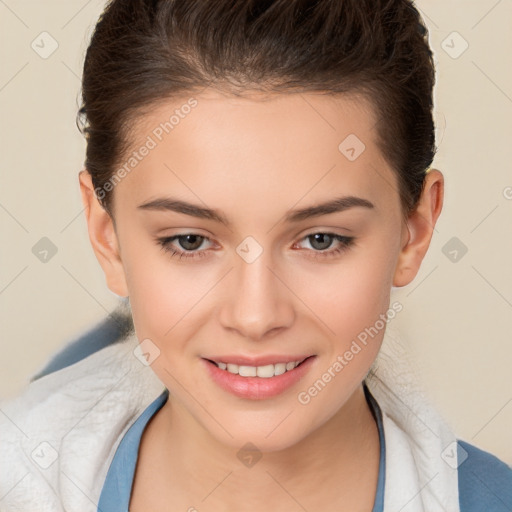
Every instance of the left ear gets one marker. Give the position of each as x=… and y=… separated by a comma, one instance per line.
x=420, y=226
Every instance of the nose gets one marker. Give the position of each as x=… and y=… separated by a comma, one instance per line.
x=258, y=301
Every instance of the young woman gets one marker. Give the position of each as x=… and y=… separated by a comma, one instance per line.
x=257, y=179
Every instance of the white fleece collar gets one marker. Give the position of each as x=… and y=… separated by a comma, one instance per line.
x=58, y=438
x=421, y=450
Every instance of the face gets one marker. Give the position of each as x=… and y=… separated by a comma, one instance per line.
x=259, y=272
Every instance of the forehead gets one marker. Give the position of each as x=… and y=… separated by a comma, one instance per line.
x=281, y=146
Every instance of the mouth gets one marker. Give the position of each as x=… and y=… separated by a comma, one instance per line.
x=258, y=382
x=264, y=371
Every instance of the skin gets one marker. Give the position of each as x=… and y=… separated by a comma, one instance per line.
x=256, y=158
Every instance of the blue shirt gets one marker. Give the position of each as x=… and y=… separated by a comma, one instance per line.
x=485, y=482
x=116, y=492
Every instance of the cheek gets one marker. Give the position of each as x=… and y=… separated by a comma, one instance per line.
x=351, y=303
x=162, y=292
x=350, y=296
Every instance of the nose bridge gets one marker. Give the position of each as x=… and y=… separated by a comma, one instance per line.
x=257, y=300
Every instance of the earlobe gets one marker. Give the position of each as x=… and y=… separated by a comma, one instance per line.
x=103, y=237
x=419, y=229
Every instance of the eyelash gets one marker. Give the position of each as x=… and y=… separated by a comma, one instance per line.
x=345, y=243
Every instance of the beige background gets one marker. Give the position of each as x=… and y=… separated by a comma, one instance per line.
x=457, y=315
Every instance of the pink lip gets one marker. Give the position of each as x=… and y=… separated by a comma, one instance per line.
x=258, y=388
x=257, y=361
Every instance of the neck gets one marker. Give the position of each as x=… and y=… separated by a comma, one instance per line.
x=340, y=459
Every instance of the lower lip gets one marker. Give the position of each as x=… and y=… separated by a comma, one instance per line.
x=258, y=388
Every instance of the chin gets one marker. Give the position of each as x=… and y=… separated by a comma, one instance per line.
x=262, y=436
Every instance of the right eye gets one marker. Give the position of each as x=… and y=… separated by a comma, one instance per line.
x=192, y=240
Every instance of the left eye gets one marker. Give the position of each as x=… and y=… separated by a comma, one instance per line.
x=326, y=239
x=190, y=242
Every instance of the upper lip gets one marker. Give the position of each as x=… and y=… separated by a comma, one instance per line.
x=258, y=361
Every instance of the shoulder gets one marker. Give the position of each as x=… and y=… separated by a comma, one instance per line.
x=485, y=481
x=59, y=434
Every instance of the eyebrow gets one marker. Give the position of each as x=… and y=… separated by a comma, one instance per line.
x=336, y=205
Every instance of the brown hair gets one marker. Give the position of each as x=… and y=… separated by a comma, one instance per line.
x=146, y=51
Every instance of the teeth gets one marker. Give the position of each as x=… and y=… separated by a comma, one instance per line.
x=267, y=371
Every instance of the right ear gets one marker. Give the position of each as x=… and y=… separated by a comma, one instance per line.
x=103, y=237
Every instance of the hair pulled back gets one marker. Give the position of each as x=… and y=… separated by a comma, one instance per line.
x=143, y=52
